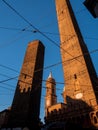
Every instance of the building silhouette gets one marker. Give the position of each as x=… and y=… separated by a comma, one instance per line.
x=92, y=6
x=80, y=94
x=25, y=108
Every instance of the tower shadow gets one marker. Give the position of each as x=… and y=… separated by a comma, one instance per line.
x=76, y=115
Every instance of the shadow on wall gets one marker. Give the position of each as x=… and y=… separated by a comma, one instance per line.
x=77, y=114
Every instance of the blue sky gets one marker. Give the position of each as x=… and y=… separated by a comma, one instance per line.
x=16, y=33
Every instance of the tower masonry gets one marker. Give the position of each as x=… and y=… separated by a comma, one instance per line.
x=50, y=98
x=25, y=107
x=79, y=73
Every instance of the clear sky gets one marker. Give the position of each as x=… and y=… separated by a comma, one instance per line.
x=16, y=31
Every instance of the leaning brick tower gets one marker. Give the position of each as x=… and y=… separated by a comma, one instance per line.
x=79, y=73
x=25, y=108
x=80, y=91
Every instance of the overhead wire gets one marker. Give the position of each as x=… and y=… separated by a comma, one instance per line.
x=32, y=25
x=93, y=51
x=23, y=18
x=8, y=79
x=12, y=41
x=9, y=85
x=29, y=30
x=15, y=29
x=24, y=29
x=57, y=88
x=37, y=30
x=41, y=87
x=43, y=81
x=6, y=88
x=16, y=76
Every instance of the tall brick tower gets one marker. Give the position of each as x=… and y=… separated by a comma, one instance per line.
x=79, y=73
x=25, y=108
x=50, y=98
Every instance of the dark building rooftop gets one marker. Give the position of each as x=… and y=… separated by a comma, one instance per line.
x=92, y=6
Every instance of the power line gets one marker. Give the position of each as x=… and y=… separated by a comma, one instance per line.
x=8, y=79
x=30, y=83
x=36, y=29
x=9, y=68
x=15, y=29
x=8, y=85
x=93, y=51
x=7, y=88
x=29, y=30
x=12, y=41
x=40, y=68
x=57, y=89
x=42, y=80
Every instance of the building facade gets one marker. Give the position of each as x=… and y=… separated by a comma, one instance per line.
x=80, y=91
